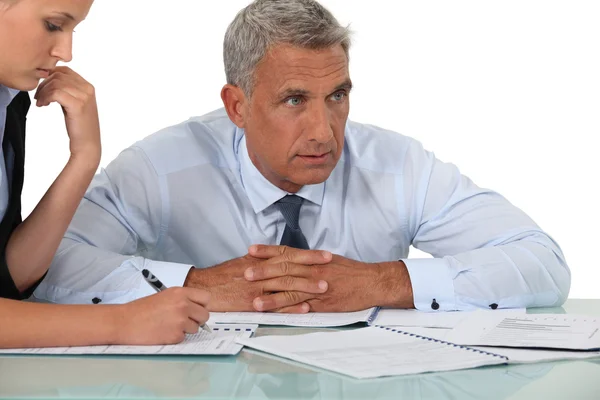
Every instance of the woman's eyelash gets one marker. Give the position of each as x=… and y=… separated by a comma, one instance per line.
x=51, y=27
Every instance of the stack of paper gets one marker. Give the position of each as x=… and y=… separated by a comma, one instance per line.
x=551, y=331
x=222, y=341
x=437, y=319
x=371, y=316
x=514, y=355
x=501, y=337
x=314, y=320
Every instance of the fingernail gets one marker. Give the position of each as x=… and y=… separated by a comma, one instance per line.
x=322, y=285
x=305, y=307
x=249, y=273
x=252, y=249
x=258, y=304
x=326, y=254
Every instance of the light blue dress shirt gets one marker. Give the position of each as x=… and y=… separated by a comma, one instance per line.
x=6, y=97
x=189, y=195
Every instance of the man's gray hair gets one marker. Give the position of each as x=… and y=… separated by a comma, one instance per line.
x=264, y=23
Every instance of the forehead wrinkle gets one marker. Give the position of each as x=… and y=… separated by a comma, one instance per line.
x=283, y=69
x=288, y=81
x=311, y=72
x=304, y=64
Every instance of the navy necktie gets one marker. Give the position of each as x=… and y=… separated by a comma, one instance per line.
x=292, y=235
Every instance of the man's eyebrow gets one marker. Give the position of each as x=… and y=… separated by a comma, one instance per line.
x=293, y=92
x=347, y=85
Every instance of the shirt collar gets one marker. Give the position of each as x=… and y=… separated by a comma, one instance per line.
x=263, y=193
x=7, y=95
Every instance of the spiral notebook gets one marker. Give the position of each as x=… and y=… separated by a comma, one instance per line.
x=312, y=320
x=374, y=352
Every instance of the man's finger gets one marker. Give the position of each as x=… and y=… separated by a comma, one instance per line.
x=266, y=251
x=280, y=300
x=301, y=308
x=269, y=271
x=285, y=253
x=294, y=284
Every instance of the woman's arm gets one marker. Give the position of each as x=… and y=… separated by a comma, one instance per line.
x=32, y=245
x=163, y=318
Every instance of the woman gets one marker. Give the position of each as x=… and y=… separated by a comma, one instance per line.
x=34, y=36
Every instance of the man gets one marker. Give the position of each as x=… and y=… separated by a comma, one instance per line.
x=281, y=166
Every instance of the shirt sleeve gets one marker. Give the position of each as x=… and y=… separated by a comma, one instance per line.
x=124, y=205
x=486, y=252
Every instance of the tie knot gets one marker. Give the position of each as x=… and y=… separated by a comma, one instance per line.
x=290, y=209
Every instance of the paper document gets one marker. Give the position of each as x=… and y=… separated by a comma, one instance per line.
x=437, y=319
x=221, y=341
x=515, y=356
x=305, y=320
x=372, y=352
x=556, y=331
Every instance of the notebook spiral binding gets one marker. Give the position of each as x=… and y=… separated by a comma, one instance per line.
x=441, y=341
x=373, y=316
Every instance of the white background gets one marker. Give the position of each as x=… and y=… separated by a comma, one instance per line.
x=509, y=91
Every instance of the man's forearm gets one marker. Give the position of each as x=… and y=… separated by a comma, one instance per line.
x=395, y=285
x=33, y=244
x=197, y=278
x=205, y=278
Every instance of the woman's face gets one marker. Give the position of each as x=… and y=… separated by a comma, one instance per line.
x=34, y=36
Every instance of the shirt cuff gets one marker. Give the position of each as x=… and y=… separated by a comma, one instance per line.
x=170, y=274
x=432, y=285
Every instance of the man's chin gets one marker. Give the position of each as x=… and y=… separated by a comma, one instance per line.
x=314, y=177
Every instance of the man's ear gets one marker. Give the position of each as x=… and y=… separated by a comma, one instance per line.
x=235, y=103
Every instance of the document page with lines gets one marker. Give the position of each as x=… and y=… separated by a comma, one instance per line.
x=515, y=355
x=222, y=341
x=443, y=319
x=553, y=331
x=373, y=352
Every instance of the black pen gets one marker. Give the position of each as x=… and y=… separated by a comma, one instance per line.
x=159, y=286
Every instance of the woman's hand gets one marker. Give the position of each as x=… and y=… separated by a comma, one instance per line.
x=78, y=100
x=163, y=318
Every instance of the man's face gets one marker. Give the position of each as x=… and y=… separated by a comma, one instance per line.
x=295, y=119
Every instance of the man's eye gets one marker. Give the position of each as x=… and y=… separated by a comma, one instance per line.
x=339, y=96
x=294, y=101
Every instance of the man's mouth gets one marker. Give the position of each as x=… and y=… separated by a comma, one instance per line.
x=320, y=158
